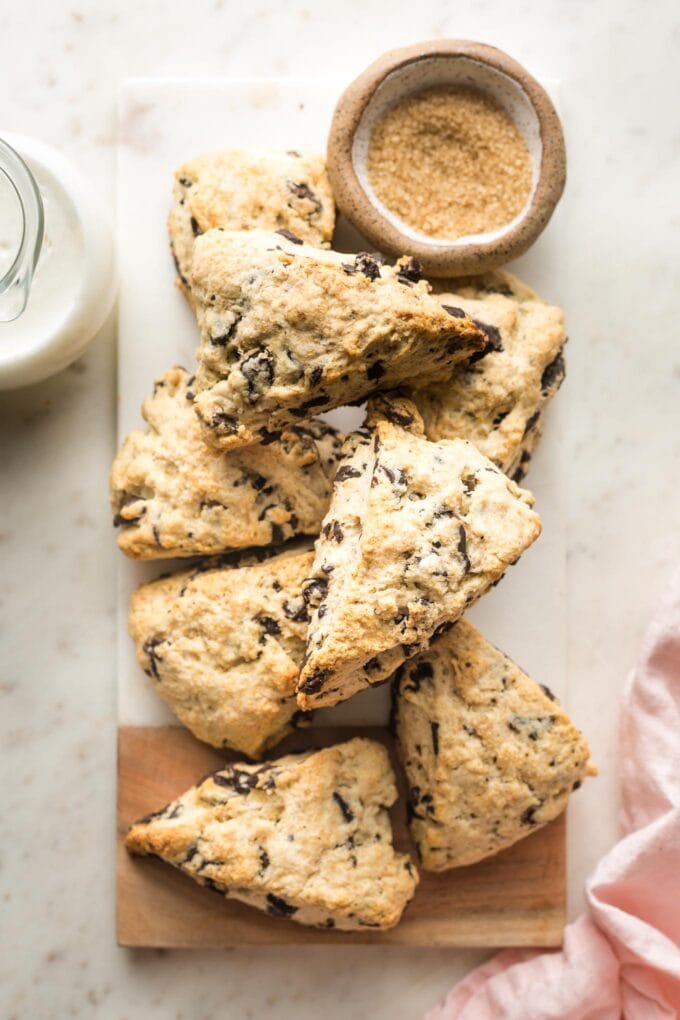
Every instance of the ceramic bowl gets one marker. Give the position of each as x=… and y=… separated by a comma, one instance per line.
x=441, y=63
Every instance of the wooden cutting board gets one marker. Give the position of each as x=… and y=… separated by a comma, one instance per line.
x=514, y=899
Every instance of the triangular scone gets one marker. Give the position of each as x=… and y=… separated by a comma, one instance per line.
x=489, y=754
x=174, y=495
x=415, y=533
x=497, y=400
x=307, y=837
x=244, y=189
x=288, y=330
x=223, y=647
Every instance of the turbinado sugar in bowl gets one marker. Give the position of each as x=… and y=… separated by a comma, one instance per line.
x=449, y=162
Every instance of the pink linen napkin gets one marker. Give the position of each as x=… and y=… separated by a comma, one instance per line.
x=622, y=959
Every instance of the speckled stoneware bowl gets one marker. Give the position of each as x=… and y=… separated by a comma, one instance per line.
x=426, y=65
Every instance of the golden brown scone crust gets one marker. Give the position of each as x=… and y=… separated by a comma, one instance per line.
x=490, y=755
x=307, y=837
x=415, y=533
x=288, y=331
x=174, y=495
x=497, y=401
x=245, y=189
x=223, y=647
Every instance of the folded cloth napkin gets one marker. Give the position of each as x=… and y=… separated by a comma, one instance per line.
x=622, y=959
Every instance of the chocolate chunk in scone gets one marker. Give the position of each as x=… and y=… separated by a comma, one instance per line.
x=489, y=754
x=223, y=645
x=246, y=189
x=396, y=407
x=497, y=398
x=288, y=331
x=174, y=495
x=307, y=837
x=415, y=533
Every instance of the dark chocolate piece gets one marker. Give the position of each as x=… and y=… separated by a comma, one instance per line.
x=347, y=812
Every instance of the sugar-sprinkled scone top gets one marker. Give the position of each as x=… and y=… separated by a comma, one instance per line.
x=497, y=398
x=415, y=533
x=490, y=755
x=174, y=495
x=288, y=331
x=245, y=189
x=307, y=837
x=223, y=646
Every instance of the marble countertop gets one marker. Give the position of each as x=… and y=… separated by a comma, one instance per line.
x=620, y=74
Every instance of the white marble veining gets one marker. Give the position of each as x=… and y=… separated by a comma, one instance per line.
x=62, y=63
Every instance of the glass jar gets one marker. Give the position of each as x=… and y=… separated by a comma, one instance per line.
x=57, y=266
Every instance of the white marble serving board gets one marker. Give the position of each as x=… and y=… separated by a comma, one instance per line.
x=163, y=122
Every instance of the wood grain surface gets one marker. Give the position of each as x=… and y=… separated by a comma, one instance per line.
x=514, y=899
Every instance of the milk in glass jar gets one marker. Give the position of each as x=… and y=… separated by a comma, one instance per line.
x=57, y=267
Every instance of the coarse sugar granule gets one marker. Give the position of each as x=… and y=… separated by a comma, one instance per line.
x=449, y=162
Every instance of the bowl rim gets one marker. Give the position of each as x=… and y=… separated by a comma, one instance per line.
x=441, y=259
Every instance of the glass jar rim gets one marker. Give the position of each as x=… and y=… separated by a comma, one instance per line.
x=15, y=284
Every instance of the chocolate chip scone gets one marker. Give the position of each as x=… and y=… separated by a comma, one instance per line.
x=174, y=495
x=288, y=331
x=415, y=533
x=497, y=398
x=244, y=189
x=307, y=837
x=223, y=646
x=489, y=754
